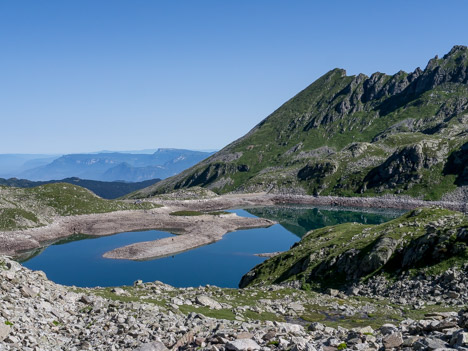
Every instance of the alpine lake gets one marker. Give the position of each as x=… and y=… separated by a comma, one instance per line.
x=78, y=259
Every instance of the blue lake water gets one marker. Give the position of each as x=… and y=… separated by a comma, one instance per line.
x=222, y=263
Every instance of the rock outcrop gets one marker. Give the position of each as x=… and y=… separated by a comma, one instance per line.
x=341, y=255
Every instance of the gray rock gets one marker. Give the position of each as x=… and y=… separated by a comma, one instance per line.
x=86, y=299
x=291, y=328
x=393, y=340
x=332, y=292
x=118, y=291
x=208, y=302
x=4, y=331
x=296, y=307
x=11, y=339
x=242, y=345
x=353, y=291
x=461, y=339
x=27, y=291
x=152, y=346
x=364, y=330
x=269, y=335
x=433, y=344
x=316, y=326
x=388, y=329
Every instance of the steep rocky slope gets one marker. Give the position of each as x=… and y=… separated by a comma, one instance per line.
x=353, y=136
x=423, y=240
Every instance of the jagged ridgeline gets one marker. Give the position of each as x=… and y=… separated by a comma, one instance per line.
x=353, y=135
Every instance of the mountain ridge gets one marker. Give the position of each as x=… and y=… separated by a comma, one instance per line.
x=328, y=138
x=117, y=166
x=106, y=190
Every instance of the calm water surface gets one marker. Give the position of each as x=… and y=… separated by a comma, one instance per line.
x=223, y=263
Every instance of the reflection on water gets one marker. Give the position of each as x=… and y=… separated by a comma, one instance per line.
x=300, y=219
x=78, y=260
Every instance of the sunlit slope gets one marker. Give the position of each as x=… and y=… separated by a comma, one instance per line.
x=31, y=207
x=353, y=136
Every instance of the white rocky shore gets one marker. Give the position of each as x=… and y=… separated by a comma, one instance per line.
x=37, y=314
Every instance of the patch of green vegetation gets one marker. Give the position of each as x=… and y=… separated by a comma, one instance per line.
x=198, y=213
x=263, y=316
x=342, y=346
x=206, y=311
x=218, y=213
x=186, y=213
x=8, y=323
x=16, y=218
x=131, y=295
x=67, y=199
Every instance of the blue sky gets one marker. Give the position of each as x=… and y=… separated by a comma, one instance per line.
x=88, y=75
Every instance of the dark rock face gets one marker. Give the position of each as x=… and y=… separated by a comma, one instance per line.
x=207, y=175
x=433, y=247
x=400, y=168
x=354, y=264
x=380, y=254
x=317, y=171
x=243, y=168
x=458, y=164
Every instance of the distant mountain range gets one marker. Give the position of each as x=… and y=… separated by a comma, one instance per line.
x=12, y=165
x=108, y=166
x=404, y=134
x=106, y=190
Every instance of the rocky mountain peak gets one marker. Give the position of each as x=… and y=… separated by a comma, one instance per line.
x=457, y=49
x=452, y=68
x=392, y=113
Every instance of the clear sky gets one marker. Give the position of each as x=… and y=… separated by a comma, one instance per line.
x=88, y=75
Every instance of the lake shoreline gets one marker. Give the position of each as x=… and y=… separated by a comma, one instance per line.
x=194, y=231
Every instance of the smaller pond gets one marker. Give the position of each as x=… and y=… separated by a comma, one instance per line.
x=222, y=263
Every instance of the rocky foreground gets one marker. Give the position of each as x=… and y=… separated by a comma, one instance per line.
x=37, y=314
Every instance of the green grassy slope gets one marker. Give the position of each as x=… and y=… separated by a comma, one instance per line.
x=30, y=207
x=106, y=190
x=430, y=239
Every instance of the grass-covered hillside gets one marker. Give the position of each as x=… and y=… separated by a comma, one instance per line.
x=106, y=190
x=428, y=239
x=353, y=136
x=30, y=207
